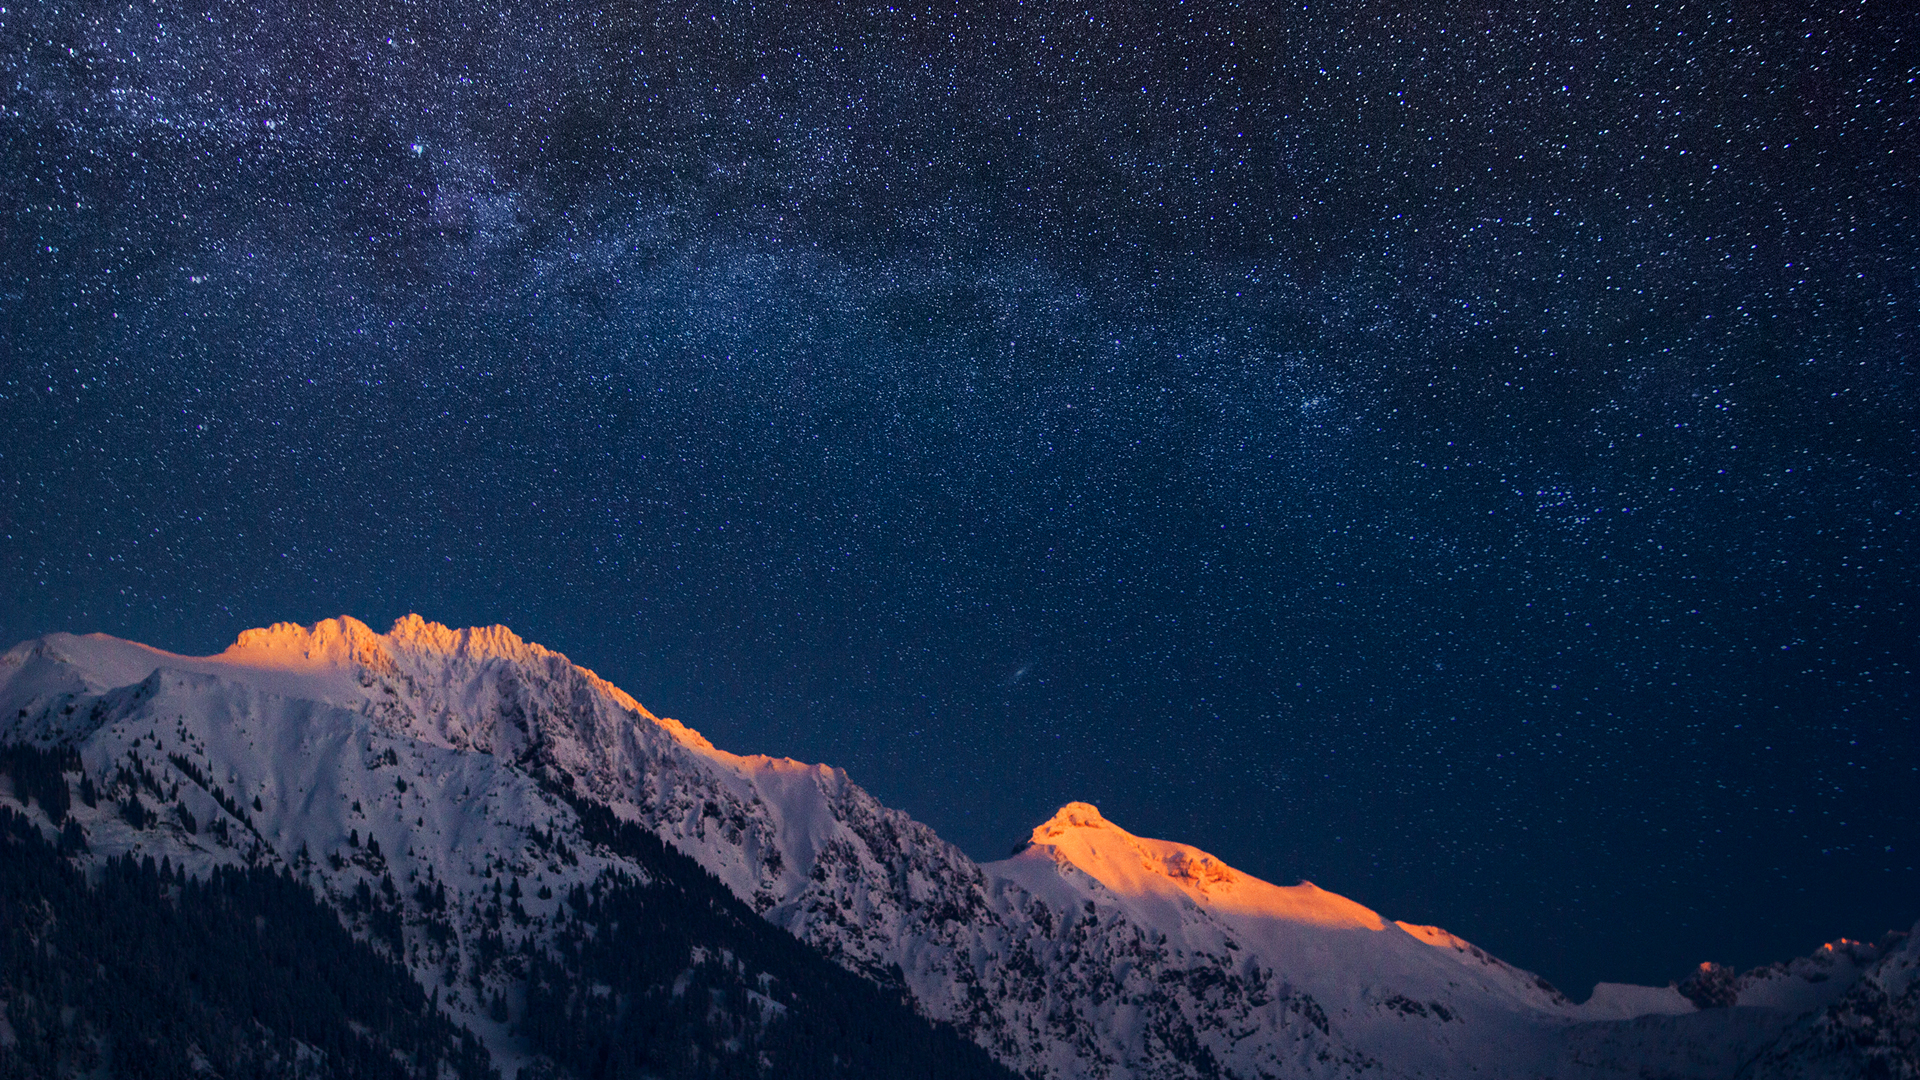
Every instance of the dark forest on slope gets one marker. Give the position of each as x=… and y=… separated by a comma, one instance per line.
x=146, y=972
x=619, y=998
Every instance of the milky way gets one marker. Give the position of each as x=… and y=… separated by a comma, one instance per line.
x=1466, y=459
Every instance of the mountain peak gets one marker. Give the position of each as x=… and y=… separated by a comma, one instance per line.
x=416, y=633
x=347, y=639
x=286, y=644
x=1074, y=815
x=348, y=645
x=1135, y=866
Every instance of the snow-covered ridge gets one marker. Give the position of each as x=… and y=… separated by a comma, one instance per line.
x=430, y=758
x=418, y=648
x=1133, y=866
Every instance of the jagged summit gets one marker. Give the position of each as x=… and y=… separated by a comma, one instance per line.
x=345, y=639
x=327, y=641
x=482, y=688
x=426, y=647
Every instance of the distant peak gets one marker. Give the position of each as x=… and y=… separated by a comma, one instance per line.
x=1077, y=835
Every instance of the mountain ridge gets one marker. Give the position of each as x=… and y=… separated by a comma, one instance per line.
x=1090, y=953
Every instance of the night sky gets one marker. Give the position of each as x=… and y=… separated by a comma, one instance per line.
x=1463, y=458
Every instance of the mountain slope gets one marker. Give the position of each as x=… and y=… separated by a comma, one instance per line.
x=144, y=972
x=390, y=782
x=1872, y=1030
x=451, y=762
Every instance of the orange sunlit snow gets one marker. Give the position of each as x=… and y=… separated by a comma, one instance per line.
x=1131, y=865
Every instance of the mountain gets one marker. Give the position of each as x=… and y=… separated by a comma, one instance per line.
x=408, y=781
x=497, y=821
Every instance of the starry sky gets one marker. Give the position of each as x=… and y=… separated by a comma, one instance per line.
x=1463, y=457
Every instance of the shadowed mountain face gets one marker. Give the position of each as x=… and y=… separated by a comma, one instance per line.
x=125, y=968
x=580, y=882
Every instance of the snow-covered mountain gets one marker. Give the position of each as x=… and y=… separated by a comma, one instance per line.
x=449, y=761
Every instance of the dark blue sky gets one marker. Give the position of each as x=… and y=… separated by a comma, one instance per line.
x=1466, y=459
